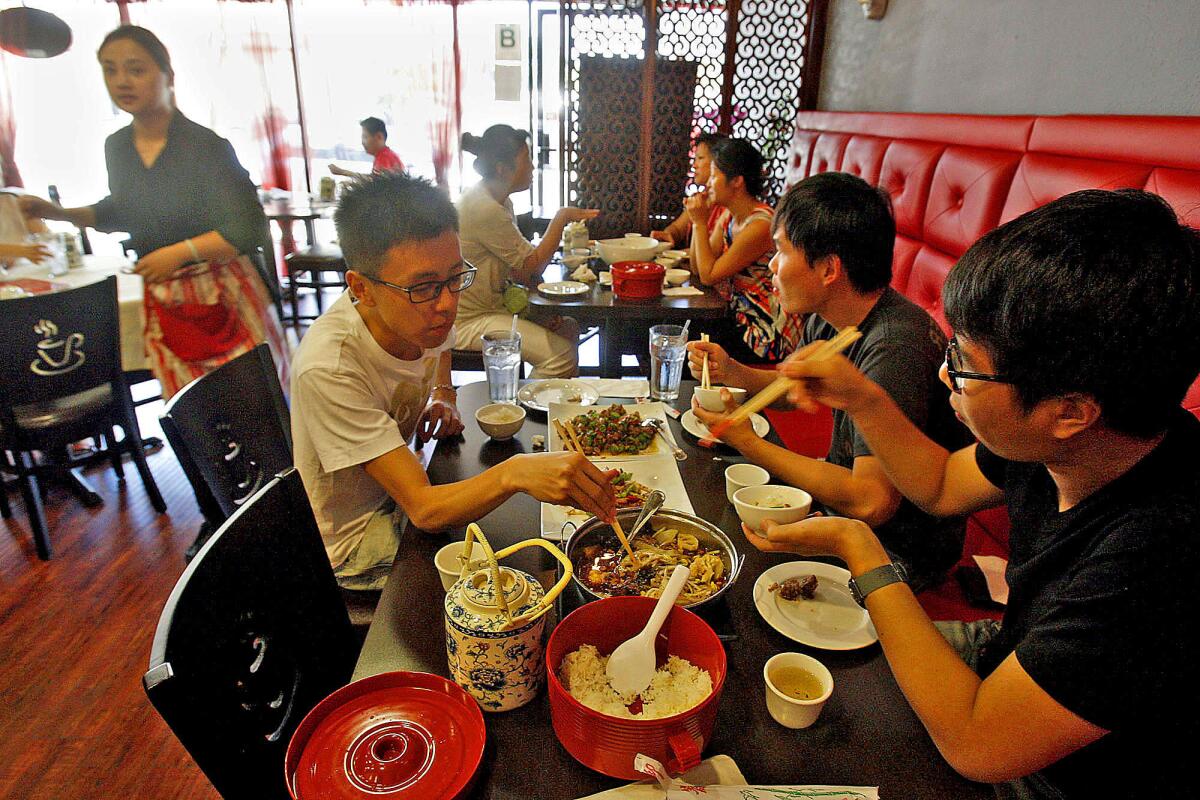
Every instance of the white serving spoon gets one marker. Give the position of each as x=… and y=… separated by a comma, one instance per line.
x=631, y=666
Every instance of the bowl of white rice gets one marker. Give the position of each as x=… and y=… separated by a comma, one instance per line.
x=671, y=721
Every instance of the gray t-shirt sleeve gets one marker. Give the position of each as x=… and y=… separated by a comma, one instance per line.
x=900, y=362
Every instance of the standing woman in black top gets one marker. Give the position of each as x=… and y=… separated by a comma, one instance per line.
x=194, y=219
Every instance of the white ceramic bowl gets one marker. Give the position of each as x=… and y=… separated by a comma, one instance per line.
x=746, y=502
x=789, y=711
x=500, y=420
x=677, y=277
x=711, y=400
x=739, y=476
x=629, y=248
x=571, y=262
x=448, y=565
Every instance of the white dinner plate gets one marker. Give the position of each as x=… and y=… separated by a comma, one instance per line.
x=830, y=621
x=565, y=411
x=660, y=472
x=538, y=395
x=696, y=428
x=563, y=288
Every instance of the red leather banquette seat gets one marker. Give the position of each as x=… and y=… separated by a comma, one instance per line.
x=953, y=177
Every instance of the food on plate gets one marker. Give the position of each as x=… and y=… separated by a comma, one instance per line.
x=629, y=492
x=795, y=588
x=571, y=394
x=610, y=431
x=676, y=687
x=499, y=416
x=605, y=568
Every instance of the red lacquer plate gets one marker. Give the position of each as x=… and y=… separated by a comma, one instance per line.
x=396, y=735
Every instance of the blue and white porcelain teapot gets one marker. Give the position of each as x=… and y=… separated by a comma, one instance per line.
x=496, y=625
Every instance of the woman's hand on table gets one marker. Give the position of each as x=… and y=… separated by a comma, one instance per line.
x=439, y=420
x=736, y=435
x=565, y=479
x=162, y=264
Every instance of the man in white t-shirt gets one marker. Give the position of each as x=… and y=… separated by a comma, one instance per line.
x=375, y=369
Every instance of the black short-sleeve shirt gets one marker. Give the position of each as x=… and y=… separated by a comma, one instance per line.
x=1103, y=612
x=901, y=349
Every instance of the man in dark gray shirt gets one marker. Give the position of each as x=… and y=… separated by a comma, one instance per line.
x=834, y=236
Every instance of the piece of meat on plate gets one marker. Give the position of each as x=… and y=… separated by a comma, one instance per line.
x=800, y=586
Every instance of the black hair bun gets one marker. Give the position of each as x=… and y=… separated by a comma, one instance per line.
x=471, y=143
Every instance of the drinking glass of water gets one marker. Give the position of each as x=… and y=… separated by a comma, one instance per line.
x=502, y=360
x=668, y=349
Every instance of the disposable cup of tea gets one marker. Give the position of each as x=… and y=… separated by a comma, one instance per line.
x=739, y=476
x=797, y=687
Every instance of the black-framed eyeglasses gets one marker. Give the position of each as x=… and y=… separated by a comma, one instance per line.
x=428, y=291
x=957, y=375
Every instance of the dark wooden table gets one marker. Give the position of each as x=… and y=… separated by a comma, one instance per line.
x=866, y=736
x=288, y=211
x=624, y=324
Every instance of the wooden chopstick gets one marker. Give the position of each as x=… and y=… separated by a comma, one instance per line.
x=566, y=432
x=779, y=387
x=704, y=381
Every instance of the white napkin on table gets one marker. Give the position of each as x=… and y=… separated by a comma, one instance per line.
x=584, y=274
x=682, y=291
x=618, y=387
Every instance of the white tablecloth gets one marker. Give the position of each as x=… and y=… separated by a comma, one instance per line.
x=129, y=297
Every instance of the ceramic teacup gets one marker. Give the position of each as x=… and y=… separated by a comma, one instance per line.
x=447, y=562
x=785, y=707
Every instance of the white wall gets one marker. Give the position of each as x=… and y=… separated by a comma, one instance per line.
x=1015, y=57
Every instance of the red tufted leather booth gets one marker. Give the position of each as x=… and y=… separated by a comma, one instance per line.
x=953, y=177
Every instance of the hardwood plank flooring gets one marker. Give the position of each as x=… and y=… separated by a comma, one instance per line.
x=75, y=636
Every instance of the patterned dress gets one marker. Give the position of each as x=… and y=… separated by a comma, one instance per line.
x=766, y=328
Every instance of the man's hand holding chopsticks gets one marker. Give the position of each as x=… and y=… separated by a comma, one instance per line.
x=832, y=381
x=736, y=433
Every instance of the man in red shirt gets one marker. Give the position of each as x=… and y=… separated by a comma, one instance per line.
x=374, y=141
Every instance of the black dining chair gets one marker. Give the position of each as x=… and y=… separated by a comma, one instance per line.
x=61, y=382
x=231, y=431
x=252, y=637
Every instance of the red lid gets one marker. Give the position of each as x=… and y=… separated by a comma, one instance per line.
x=638, y=269
x=395, y=735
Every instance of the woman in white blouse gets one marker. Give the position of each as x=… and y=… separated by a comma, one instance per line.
x=491, y=241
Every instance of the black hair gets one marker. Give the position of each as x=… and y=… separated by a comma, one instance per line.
x=738, y=158
x=1096, y=293
x=374, y=125
x=499, y=144
x=379, y=211
x=146, y=40
x=709, y=139
x=839, y=214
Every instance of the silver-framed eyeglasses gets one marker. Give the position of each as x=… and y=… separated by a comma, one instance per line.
x=428, y=291
x=958, y=376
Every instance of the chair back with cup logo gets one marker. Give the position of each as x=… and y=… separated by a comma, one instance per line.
x=60, y=382
x=252, y=637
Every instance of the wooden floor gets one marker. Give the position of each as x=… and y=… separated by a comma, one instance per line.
x=75, y=637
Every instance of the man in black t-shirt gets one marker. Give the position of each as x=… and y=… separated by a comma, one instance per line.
x=834, y=235
x=1077, y=334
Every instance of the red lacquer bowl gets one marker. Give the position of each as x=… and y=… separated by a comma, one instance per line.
x=407, y=735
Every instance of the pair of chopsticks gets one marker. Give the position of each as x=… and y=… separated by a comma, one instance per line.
x=570, y=441
x=779, y=387
x=704, y=382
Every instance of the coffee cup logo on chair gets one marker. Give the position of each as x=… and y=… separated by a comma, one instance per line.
x=56, y=355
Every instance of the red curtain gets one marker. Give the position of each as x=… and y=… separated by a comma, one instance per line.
x=10, y=176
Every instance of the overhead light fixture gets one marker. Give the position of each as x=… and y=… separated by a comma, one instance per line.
x=33, y=33
x=873, y=9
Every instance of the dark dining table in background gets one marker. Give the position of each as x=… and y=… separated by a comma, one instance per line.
x=866, y=736
x=297, y=210
x=624, y=324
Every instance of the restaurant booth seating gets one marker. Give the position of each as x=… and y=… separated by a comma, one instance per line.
x=954, y=177
x=252, y=637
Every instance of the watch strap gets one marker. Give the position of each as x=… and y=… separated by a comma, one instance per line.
x=874, y=579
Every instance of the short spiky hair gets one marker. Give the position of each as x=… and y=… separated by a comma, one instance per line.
x=1098, y=293
x=379, y=211
x=374, y=125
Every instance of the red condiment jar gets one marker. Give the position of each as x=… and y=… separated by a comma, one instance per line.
x=637, y=280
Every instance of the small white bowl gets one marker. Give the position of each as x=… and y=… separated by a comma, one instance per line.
x=789, y=711
x=448, y=565
x=571, y=262
x=677, y=277
x=710, y=399
x=739, y=476
x=746, y=501
x=500, y=420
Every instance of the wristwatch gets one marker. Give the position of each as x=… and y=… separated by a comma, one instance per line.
x=874, y=579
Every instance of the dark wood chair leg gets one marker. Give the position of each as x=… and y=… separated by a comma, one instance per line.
x=5, y=508
x=320, y=291
x=294, y=292
x=33, y=506
x=114, y=452
x=134, y=439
